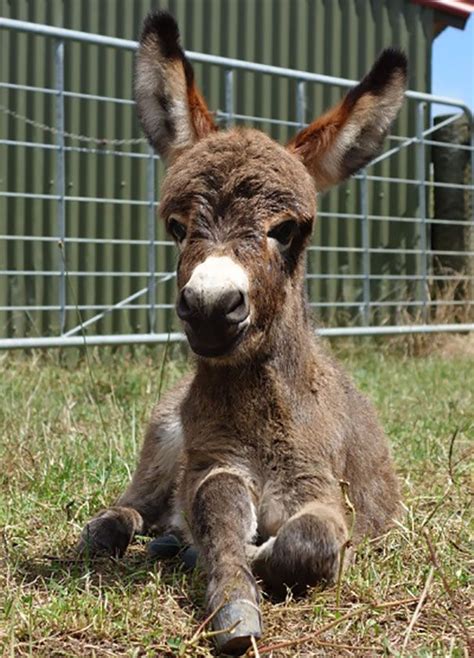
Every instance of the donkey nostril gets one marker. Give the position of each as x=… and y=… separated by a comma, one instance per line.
x=237, y=308
x=184, y=307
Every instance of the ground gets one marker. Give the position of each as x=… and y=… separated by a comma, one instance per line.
x=70, y=429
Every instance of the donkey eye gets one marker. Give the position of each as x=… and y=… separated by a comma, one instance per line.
x=177, y=230
x=283, y=233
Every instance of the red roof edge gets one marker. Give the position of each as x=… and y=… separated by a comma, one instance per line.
x=461, y=8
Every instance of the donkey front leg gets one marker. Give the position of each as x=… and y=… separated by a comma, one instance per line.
x=223, y=522
x=305, y=552
x=146, y=503
x=110, y=532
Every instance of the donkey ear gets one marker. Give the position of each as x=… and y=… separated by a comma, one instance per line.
x=351, y=134
x=171, y=110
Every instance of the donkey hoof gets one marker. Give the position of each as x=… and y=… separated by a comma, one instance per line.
x=236, y=623
x=190, y=558
x=164, y=547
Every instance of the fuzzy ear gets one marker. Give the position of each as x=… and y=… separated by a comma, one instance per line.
x=351, y=134
x=171, y=110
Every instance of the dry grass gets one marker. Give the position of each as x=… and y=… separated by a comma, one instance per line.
x=407, y=594
x=454, y=305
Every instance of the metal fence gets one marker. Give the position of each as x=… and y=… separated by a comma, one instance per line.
x=382, y=288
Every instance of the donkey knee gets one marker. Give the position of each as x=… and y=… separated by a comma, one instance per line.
x=306, y=552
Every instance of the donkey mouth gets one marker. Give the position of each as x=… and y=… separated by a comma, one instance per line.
x=208, y=343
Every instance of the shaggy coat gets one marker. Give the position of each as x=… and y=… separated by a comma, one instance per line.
x=244, y=458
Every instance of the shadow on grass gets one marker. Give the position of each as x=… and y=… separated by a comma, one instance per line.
x=126, y=574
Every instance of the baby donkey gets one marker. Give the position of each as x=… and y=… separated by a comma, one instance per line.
x=244, y=459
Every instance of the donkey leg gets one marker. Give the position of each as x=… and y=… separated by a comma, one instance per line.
x=138, y=509
x=147, y=500
x=223, y=522
x=110, y=532
x=305, y=552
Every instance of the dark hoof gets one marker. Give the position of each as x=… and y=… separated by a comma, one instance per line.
x=164, y=547
x=190, y=558
x=169, y=546
x=237, y=622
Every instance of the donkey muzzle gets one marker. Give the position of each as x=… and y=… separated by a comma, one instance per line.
x=213, y=330
x=214, y=306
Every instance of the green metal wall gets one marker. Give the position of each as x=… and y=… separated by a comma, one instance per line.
x=337, y=37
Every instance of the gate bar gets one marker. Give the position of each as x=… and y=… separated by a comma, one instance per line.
x=421, y=173
x=130, y=339
x=60, y=179
x=229, y=62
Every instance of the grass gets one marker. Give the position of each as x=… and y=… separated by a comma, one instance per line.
x=69, y=437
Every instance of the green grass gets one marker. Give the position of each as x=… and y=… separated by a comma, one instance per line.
x=69, y=438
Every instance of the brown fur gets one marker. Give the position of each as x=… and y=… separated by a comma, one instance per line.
x=244, y=458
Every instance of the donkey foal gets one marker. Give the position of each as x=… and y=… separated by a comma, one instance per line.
x=244, y=458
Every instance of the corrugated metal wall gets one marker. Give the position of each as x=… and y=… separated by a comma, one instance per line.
x=337, y=37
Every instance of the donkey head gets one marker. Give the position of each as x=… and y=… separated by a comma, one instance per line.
x=240, y=206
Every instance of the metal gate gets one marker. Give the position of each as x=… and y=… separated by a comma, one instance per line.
x=389, y=277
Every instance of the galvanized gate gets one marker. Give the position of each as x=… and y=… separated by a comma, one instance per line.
x=386, y=278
